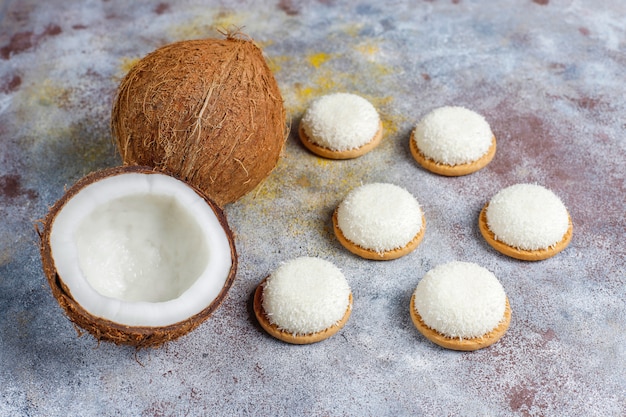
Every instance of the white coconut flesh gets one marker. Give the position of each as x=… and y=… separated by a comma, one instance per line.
x=140, y=250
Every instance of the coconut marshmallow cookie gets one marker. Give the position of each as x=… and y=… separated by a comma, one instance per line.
x=379, y=221
x=305, y=300
x=341, y=126
x=453, y=141
x=460, y=306
x=527, y=222
x=137, y=257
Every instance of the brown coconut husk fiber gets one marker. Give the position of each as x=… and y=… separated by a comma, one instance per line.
x=103, y=329
x=208, y=111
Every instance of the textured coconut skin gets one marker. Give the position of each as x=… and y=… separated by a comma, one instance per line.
x=208, y=111
x=103, y=329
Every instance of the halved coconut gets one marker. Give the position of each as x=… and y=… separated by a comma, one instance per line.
x=137, y=257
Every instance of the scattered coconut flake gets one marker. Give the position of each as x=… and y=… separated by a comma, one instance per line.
x=341, y=121
x=453, y=135
x=306, y=295
x=527, y=216
x=379, y=217
x=460, y=300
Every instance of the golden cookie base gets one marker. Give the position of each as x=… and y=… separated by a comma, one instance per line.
x=296, y=339
x=522, y=254
x=347, y=154
x=373, y=255
x=451, y=170
x=474, y=343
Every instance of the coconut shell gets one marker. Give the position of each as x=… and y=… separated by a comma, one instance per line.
x=103, y=329
x=207, y=111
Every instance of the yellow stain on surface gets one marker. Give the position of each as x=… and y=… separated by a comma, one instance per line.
x=330, y=80
x=325, y=79
x=324, y=82
x=207, y=23
x=368, y=49
x=322, y=162
x=381, y=70
x=318, y=58
x=273, y=185
x=47, y=93
x=6, y=255
x=303, y=181
x=276, y=63
x=126, y=64
x=194, y=29
x=50, y=101
x=227, y=20
x=300, y=97
x=353, y=29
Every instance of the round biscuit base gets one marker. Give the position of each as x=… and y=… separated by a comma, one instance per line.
x=451, y=170
x=471, y=344
x=289, y=337
x=522, y=254
x=372, y=254
x=346, y=154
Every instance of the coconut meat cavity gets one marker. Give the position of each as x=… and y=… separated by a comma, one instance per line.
x=141, y=250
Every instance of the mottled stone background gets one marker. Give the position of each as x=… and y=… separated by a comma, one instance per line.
x=549, y=76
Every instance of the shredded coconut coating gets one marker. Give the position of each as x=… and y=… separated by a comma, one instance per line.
x=527, y=216
x=460, y=300
x=306, y=295
x=341, y=121
x=453, y=135
x=379, y=217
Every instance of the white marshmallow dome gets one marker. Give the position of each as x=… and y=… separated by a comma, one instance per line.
x=527, y=216
x=140, y=250
x=453, y=135
x=379, y=217
x=341, y=121
x=460, y=300
x=306, y=295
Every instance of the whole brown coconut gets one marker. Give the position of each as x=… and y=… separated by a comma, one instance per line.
x=153, y=322
x=208, y=111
